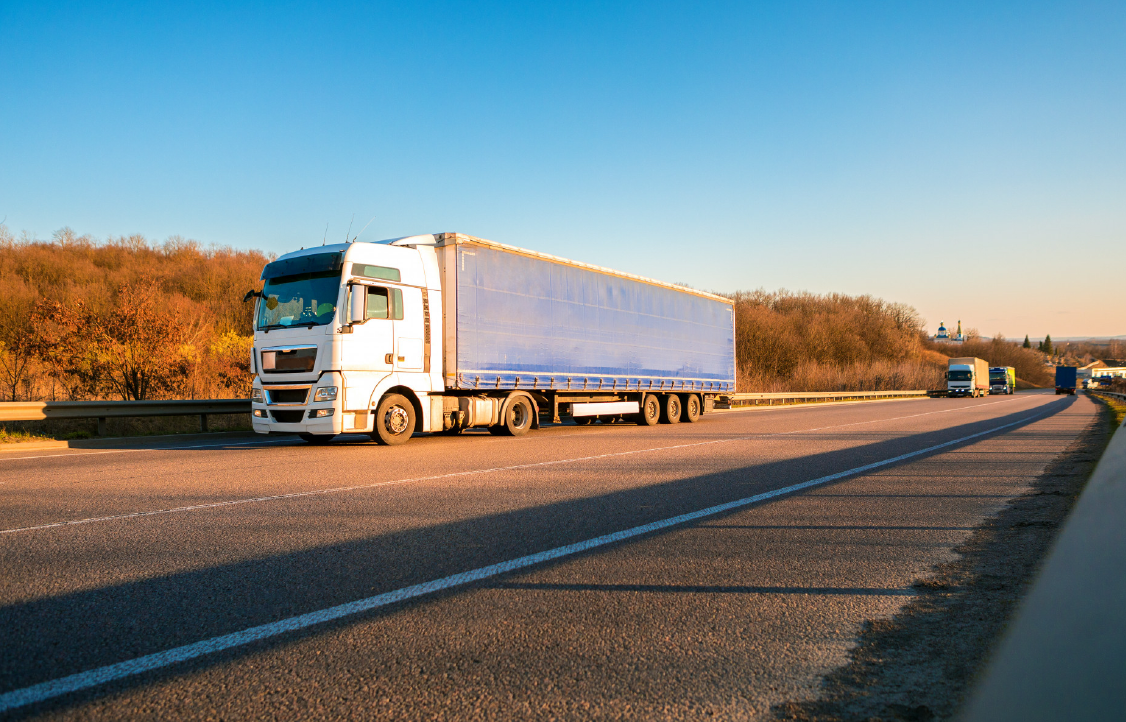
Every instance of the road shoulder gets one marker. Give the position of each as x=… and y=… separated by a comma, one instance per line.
x=921, y=663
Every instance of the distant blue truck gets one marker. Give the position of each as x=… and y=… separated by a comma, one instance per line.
x=1066, y=380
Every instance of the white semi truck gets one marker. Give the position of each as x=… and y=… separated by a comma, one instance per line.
x=967, y=376
x=443, y=332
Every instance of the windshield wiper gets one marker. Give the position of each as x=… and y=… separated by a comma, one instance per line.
x=305, y=324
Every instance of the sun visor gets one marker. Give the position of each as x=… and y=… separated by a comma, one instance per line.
x=312, y=263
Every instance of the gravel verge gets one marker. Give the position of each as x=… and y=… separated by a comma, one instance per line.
x=922, y=663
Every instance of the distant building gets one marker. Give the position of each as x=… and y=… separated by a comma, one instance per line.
x=943, y=336
x=1106, y=367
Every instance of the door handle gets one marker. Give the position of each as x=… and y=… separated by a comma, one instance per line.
x=387, y=359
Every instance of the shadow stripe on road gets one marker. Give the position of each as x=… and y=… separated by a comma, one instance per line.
x=96, y=677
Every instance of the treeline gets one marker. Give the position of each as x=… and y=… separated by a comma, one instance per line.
x=130, y=319
x=787, y=341
x=124, y=318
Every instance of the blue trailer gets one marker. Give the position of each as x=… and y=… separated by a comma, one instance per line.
x=586, y=341
x=1065, y=380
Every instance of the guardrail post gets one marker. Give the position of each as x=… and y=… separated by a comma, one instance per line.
x=101, y=426
x=203, y=423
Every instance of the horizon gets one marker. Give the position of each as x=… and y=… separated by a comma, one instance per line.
x=965, y=160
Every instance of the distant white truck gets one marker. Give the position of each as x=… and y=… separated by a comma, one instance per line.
x=967, y=376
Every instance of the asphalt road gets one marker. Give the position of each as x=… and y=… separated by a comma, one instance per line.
x=559, y=575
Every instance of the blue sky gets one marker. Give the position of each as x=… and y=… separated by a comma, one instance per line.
x=966, y=158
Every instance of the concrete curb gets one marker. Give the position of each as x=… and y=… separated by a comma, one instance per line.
x=1064, y=654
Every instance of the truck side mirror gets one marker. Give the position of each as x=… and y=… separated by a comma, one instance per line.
x=358, y=305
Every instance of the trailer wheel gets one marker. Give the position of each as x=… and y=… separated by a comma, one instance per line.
x=394, y=420
x=691, y=403
x=670, y=410
x=517, y=418
x=650, y=411
x=316, y=439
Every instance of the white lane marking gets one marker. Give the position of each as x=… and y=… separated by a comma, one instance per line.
x=120, y=670
x=262, y=442
x=472, y=472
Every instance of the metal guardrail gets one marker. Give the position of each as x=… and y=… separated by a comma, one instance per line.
x=102, y=410
x=1115, y=394
x=755, y=399
x=1064, y=654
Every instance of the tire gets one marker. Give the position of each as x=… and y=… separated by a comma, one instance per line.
x=316, y=439
x=671, y=409
x=517, y=419
x=650, y=411
x=394, y=420
x=691, y=405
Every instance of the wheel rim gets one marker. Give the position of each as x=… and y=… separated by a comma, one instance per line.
x=674, y=408
x=518, y=415
x=396, y=420
x=652, y=408
x=693, y=406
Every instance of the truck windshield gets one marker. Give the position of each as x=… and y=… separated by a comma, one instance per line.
x=961, y=375
x=998, y=380
x=300, y=300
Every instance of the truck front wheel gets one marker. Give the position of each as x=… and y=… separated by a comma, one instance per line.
x=394, y=420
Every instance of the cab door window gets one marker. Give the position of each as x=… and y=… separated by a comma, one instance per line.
x=378, y=305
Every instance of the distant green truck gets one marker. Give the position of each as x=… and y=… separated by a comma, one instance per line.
x=1002, y=379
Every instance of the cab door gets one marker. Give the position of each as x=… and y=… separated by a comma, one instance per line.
x=367, y=354
x=409, y=329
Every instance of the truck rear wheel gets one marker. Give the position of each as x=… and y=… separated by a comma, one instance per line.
x=394, y=420
x=670, y=410
x=517, y=417
x=650, y=411
x=691, y=403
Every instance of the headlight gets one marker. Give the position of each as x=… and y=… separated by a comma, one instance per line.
x=325, y=393
x=257, y=396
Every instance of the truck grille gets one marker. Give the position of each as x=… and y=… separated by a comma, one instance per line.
x=287, y=417
x=287, y=396
x=289, y=360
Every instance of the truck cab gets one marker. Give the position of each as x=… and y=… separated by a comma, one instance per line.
x=960, y=380
x=337, y=326
x=1002, y=380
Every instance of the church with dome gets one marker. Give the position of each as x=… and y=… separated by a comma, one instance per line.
x=943, y=336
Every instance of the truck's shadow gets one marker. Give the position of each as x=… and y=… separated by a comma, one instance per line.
x=51, y=638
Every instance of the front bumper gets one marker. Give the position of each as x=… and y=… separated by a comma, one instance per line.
x=278, y=414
